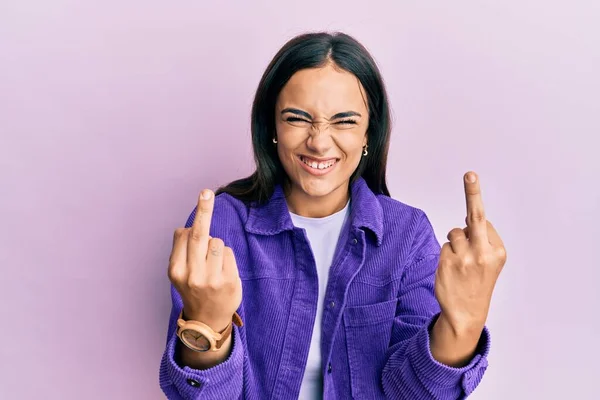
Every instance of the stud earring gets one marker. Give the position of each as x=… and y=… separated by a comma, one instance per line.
x=275, y=140
x=365, y=152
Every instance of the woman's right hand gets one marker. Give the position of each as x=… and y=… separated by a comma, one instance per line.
x=204, y=271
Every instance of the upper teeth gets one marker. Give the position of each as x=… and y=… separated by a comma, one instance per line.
x=318, y=165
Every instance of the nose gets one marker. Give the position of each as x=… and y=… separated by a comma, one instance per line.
x=319, y=140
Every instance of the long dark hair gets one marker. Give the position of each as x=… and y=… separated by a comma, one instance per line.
x=312, y=50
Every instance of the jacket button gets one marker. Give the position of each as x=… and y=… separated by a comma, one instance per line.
x=332, y=304
x=329, y=368
x=193, y=382
x=354, y=241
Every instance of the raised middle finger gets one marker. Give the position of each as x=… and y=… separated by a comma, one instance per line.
x=199, y=232
x=476, y=220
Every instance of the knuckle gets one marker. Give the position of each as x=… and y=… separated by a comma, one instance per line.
x=172, y=275
x=477, y=216
x=216, y=246
x=232, y=286
x=175, y=274
x=501, y=253
x=481, y=259
x=214, y=285
x=446, y=250
x=216, y=242
x=195, y=235
x=456, y=232
x=200, y=215
x=195, y=284
x=204, y=213
x=467, y=260
x=178, y=234
x=229, y=285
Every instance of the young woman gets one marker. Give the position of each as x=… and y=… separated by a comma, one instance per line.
x=306, y=279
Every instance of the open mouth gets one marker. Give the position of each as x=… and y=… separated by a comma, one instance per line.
x=319, y=165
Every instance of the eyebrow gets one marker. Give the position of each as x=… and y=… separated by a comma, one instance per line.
x=344, y=114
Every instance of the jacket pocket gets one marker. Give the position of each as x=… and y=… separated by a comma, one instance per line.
x=368, y=331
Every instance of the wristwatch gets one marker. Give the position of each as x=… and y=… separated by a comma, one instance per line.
x=200, y=337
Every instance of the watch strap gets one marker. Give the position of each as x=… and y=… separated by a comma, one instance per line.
x=220, y=337
x=237, y=320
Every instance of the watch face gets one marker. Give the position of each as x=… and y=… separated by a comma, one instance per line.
x=196, y=340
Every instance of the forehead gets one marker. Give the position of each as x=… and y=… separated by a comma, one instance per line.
x=323, y=91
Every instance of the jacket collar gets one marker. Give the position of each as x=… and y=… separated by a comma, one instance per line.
x=273, y=217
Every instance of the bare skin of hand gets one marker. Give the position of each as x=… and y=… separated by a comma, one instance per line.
x=205, y=274
x=469, y=266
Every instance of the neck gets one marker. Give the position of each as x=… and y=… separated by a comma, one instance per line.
x=305, y=205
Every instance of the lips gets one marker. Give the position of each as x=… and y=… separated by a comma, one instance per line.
x=318, y=164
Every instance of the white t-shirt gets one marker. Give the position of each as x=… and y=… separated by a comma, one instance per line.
x=323, y=235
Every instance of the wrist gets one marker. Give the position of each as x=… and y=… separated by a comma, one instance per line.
x=453, y=345
x=459, y=328
x=205, y=360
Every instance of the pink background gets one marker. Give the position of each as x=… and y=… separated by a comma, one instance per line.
x=113, y=116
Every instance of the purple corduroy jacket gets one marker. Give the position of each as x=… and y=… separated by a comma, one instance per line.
x=378, y=310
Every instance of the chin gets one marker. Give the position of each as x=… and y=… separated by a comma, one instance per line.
x=318, y=188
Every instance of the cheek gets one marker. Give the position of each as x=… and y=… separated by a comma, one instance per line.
x=352, y=149
x=290, y=139
x=286, y=151
x=353, y=159
x=281, y=153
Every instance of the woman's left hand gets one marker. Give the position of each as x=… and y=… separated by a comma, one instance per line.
x=469, y=266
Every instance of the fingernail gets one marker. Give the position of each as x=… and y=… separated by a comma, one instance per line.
x=471, y=178
x=206, y=194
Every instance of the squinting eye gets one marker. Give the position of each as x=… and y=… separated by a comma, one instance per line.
x=347, y=122
x=295, y=119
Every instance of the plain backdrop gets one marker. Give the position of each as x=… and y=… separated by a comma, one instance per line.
x=115, y=114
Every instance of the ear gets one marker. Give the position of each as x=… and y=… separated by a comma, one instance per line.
x=365, y=140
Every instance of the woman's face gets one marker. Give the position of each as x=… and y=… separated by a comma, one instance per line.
x=321, y=122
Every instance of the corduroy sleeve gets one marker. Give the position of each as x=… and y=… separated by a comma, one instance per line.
x=411, y=372
x=223, y=381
